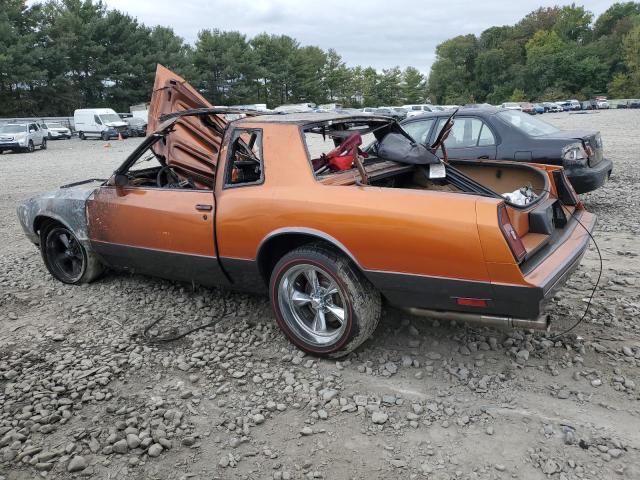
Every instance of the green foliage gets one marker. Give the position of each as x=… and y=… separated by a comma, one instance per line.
x=552, y=53
x=59, y=55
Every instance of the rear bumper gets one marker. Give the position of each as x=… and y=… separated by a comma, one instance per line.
x=588, y=179
x=544, y=273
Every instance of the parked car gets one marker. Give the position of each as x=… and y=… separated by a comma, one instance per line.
x=574, y=104
x=538, y=108
x=389, y=112
x=57, y=130
x=551, y=107
x=504, y=134
x=137, y=126
x=586, y=105
x=566, y=106
x=326, y=238
x=527, y=108
x=418, y=109
x=634, y=104
x=602, y=105
x=101, y=123
x=401, y=111
x=511, y=106
x=22, y=137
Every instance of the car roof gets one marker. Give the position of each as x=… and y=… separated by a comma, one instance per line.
x=305, y=118
x=462, y=111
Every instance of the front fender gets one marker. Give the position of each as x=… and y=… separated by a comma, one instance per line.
x=65, y=205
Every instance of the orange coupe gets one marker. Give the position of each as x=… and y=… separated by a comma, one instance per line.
x=296, y=206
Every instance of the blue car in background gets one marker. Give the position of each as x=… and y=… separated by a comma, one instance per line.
x=538, y=108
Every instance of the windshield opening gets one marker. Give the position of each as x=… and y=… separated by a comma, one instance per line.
x=54, y=125
x=13, y=129
x=110, y=117
x=526, y=123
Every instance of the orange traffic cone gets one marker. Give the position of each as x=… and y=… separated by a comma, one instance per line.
x=119, y=136
x=107, y=145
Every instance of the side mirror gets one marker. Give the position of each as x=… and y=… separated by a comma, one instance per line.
x=120, y=180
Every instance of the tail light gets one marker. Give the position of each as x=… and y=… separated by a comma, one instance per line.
x=510, y=235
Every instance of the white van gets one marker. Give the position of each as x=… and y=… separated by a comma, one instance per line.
x=99, y=122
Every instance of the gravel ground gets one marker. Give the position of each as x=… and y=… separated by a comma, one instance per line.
x=80, y=391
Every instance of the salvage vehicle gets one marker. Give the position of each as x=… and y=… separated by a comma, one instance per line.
x=137, y=126
x=290, y=205
x=506, y=134
x=22, y=137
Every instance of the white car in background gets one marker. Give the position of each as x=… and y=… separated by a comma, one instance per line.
x=57, y=130
x=21, y=137
x=418, y=109
x=602, y=104
x=511, y=106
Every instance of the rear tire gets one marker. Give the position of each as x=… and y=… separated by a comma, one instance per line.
x=322, y=303
x=31, y=147
x=65, y=257
x=44, y=144
x=81, y=136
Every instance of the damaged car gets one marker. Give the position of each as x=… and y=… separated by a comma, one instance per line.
x=295, y=206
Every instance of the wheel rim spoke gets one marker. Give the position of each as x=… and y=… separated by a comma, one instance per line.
x=312, y=278
x=331, y=289
x=319, y=322
x=299, y=298
x=65, y=241
x=337, y=312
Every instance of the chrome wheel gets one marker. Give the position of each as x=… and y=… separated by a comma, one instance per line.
x=64, y=255
x=313, y=304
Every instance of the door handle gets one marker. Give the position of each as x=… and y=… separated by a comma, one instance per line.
x=203, y=207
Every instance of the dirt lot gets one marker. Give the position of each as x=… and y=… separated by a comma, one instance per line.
x=80, y=391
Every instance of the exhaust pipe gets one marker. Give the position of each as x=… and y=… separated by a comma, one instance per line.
x=541, y=323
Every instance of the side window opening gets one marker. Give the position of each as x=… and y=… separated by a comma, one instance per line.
x=96, y=119
x=245, y=165
x=419, y=131
x=486, y=136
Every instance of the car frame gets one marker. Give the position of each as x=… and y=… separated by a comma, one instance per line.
x=245, y=204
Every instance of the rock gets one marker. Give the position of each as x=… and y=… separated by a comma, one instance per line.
x=596, y=382
x=155, y=450
x=77, y=464
x=499, y=467
x=627, y=351
x=523, y=355
x=489, y=430
x=379, y=418
x=563, y=394
x=133, y=441
x=258, y=418
x=121, y=446
x=306, y=431
x=615, y=452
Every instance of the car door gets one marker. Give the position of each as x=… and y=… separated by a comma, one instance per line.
x=168, y=232
x=470, y=137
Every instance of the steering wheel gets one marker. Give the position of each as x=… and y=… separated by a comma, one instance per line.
x=166, y=176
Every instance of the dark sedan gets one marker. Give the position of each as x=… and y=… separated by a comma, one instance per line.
x=498, y=133
x=137, y=126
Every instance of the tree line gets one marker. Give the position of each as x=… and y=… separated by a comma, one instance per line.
x=552, y=53
x=59, y=55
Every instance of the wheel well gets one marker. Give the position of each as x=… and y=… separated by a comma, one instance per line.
x=278, y=246
x=43, y=221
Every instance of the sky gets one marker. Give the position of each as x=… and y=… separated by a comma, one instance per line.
x=377, y=33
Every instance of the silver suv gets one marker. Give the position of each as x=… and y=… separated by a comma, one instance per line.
x=21, y=137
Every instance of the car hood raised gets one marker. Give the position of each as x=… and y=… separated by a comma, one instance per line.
x=195, y=141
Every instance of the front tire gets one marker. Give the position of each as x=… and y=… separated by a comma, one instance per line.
x=65, y=257
x=322, y=303
x=105, y=136
x=31, y=147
